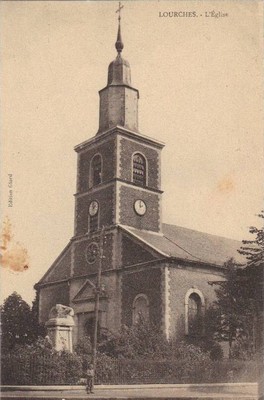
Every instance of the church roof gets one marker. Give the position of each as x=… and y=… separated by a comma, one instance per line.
x=174, y=241
x=187, y=244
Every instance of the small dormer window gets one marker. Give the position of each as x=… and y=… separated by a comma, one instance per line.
x=96, y=170
x=139, y=169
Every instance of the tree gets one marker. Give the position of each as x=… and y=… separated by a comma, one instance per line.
x=254, y=249
x=16, y=322
x=207, y=341
x=252, y=276
x=19, y=324
x=253, y=272
x=233, y=319
x=240, y=298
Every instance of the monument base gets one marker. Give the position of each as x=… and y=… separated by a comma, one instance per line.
x=59, y=327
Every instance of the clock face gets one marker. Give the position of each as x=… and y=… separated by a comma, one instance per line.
x=93, y=208
x=140, y=207
x=92, y=252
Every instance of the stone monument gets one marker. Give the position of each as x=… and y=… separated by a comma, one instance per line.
x=59, y=327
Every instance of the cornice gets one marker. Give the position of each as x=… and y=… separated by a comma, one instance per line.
x=114, y=180
x=121, y=131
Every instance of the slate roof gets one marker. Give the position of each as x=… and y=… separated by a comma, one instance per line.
x=176, y=241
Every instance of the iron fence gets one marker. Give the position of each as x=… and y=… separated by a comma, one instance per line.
x=47, y=370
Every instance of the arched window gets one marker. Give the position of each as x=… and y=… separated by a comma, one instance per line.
x=139, y=170
x=96, y=170
x=140, y=309
x=194, y=312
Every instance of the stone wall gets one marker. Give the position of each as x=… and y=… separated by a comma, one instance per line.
x=105, y=196
x=61, y=268
x=118, y=106
x=81, y=265
x=181, y=279
x=50, y=296
x=133, y=253
x=127, y=149
x=127, y=216
x=107, y=149
x=110, y=305
x=148, y=282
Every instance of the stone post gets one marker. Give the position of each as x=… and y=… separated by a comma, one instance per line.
x=59, y=327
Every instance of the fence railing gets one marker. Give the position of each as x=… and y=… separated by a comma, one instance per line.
x=177, y=371
x=47, y=370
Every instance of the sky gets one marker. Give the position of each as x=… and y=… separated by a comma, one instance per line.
x=200, y=81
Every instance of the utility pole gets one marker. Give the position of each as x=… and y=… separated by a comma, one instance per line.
x=97, y=291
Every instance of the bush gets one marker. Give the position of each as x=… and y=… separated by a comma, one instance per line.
x=207, y=345
x=106, y=369
x=194, y=362
x=139, y=341
x=180, y=363
x=84, y=346
x=236, y=371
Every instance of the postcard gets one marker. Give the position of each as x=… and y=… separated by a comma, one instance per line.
x=144, y=119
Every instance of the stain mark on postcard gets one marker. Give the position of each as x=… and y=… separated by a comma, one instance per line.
x=14, y=255
x=226, y=185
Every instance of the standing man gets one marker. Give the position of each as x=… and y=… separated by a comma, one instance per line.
x=89, y=378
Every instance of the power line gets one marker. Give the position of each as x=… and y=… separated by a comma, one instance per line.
x=182, y=248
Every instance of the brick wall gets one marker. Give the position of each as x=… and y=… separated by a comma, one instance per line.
x=108, y=153
x=81, y=266
x=106, y=200
x=50, y=296
x=127, y=215
x=62, y=268
x=132, y=253
x=110, y=307
x=146, y=282
x=127, y=148
x=181, y=280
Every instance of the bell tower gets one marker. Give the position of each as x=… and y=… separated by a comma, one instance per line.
x=118, y=177
x=118, y=100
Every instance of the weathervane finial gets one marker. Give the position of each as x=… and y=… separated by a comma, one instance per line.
x=119, y=44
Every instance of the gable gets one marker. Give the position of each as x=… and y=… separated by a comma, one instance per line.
x=86, y=292
x=134, y=251
x=60, y=269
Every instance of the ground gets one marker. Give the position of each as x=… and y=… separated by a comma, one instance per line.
x=242, y=391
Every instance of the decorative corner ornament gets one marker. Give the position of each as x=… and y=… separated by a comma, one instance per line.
x=92, y=252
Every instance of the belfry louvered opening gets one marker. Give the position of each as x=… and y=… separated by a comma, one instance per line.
x=139, y=169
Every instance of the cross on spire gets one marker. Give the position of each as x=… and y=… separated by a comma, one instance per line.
x=119, y=44
x=119, y=10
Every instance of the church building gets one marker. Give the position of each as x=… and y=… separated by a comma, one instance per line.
x=150, y=269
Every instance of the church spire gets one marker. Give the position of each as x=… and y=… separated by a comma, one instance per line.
x=118, y=100
x=119, y=45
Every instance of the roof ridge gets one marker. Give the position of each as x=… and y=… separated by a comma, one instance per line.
x=202, y=232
